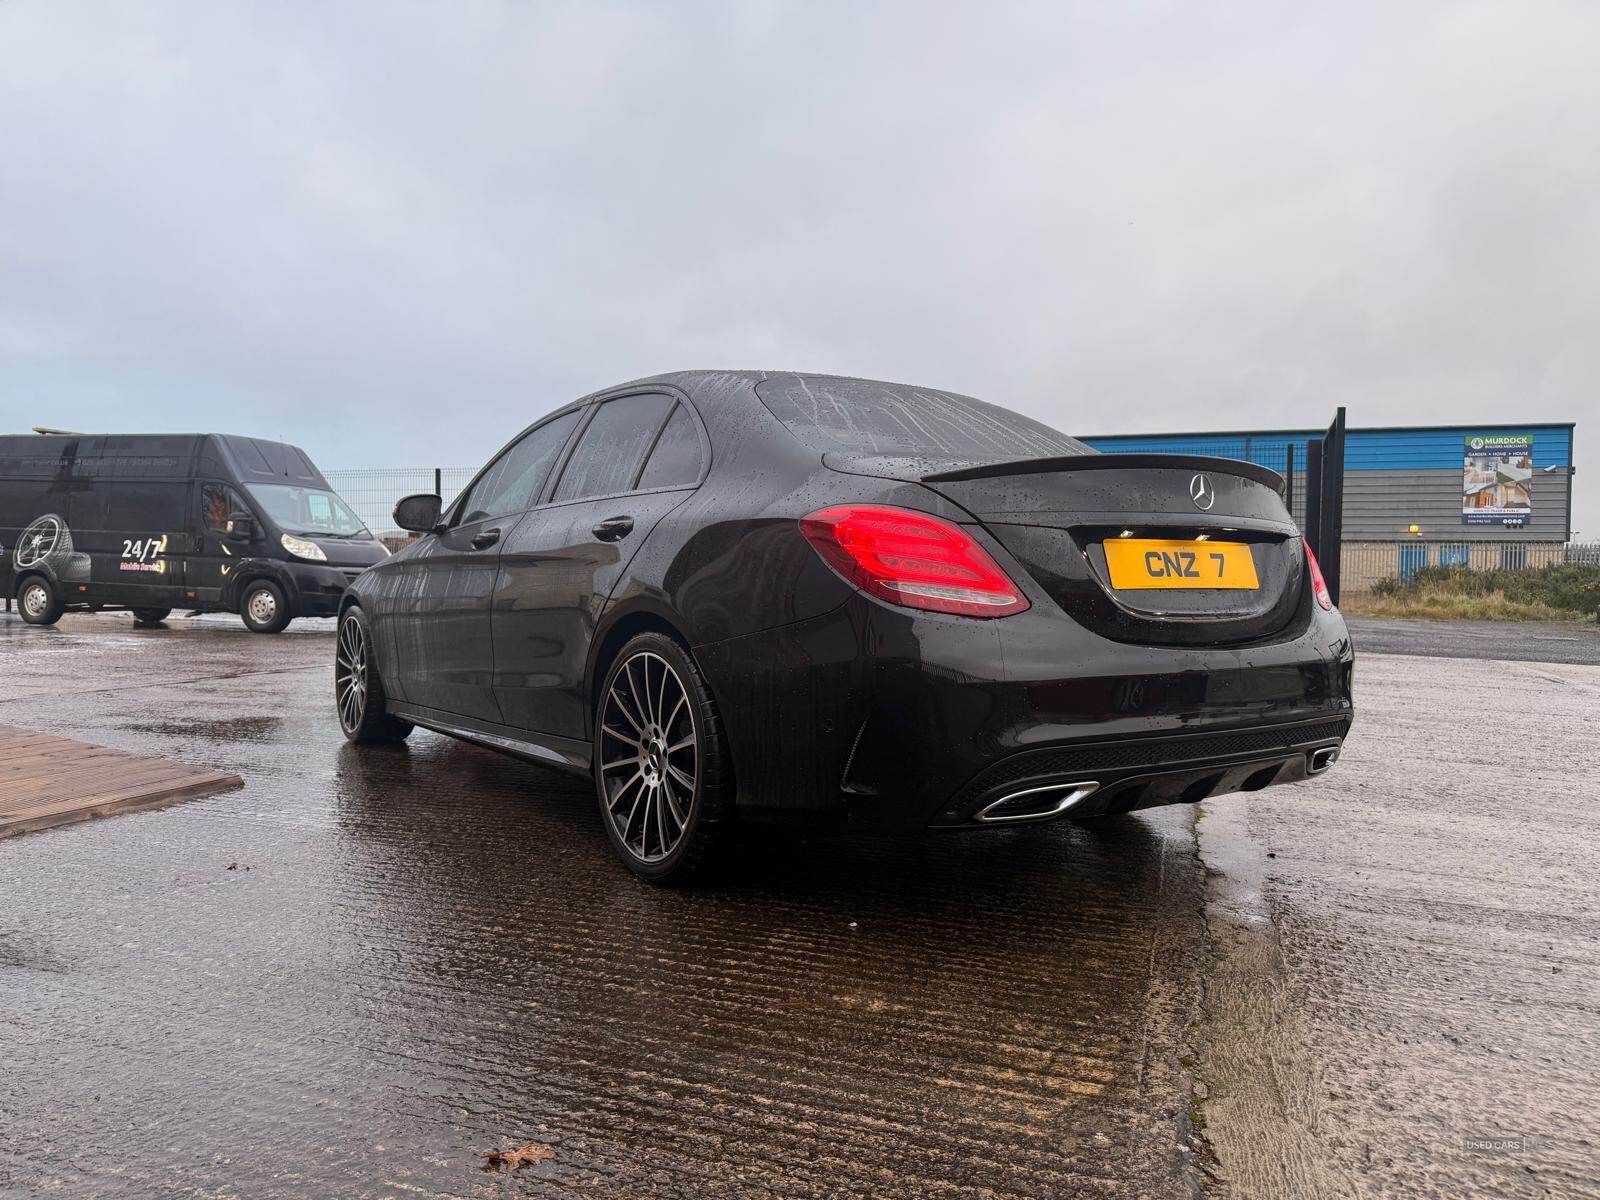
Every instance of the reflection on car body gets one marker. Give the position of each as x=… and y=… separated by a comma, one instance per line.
x=831, y=602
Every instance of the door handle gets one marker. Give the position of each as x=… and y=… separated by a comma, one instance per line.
x=485, y=539
x=613, y=529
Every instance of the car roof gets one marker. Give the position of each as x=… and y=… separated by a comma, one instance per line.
x=695, y=381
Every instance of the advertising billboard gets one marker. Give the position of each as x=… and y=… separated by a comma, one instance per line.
x=1497, y=479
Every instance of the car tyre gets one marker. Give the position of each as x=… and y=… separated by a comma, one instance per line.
x=39, y=602
x=263, y=607
x=662, y=770
x=150, y=616
x=358, y=693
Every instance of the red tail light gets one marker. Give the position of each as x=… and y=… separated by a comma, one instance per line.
x=1319, y=585
x=912, y=559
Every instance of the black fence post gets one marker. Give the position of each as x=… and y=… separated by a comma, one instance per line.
x=438, y=482
x=1333, y=504
x=1314, y=495
x=1288, y=478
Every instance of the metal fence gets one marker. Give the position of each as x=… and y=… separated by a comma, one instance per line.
x=373, y=493
x=1365, y=563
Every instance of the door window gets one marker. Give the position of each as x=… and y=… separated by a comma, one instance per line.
x=216, y=502
x=675, y=462
x=608, y=455
x=512, y=484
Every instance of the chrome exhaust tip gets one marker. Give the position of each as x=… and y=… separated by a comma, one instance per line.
x=1036, y=803
x=1321, y=759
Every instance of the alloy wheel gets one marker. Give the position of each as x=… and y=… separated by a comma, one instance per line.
x=350, y=673
x=46, y=538
x=649, y=756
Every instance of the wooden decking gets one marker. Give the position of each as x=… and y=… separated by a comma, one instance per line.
x=47, y=781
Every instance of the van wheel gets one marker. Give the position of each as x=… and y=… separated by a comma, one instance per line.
x=263, y=607
x=358, y=693
x=39, y=602
x=150, y=616
x=661, y=763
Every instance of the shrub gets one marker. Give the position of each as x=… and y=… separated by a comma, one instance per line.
x=1572, y=588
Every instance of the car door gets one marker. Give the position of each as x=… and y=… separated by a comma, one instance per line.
x=439, y=606
x=637, y=458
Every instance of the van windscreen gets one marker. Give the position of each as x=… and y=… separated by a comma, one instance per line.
x=307, y=510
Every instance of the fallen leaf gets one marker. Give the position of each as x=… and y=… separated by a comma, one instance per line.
x=523, y=1156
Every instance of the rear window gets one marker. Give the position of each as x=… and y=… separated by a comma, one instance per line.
x=613, y=446
x=861, y=416
x=675, y=461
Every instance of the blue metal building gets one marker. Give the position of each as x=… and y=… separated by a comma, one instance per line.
x=1398, y=478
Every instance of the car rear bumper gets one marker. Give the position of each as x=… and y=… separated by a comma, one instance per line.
x=1089, y=780
x=877, y=719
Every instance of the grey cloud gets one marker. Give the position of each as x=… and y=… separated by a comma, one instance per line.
x=395, y=233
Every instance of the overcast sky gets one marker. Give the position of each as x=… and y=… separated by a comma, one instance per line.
x=396, y=233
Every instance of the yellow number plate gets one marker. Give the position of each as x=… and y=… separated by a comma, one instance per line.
x=1152, y=563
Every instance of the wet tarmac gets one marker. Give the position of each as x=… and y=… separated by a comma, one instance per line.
x=1406, y=999
x=370, y=966
x=1520, y=641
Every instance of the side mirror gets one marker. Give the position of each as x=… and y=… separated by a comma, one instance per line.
x=419, y=513
x=241, y=527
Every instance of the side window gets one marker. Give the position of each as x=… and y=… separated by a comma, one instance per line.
x=675, y=462
x=216, y=502
x=513, y=482
x=608, y=454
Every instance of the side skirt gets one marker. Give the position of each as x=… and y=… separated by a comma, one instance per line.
x=564, y=754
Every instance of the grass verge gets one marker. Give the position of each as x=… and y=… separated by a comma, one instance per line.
x=1567, y=592
x=1493, y=607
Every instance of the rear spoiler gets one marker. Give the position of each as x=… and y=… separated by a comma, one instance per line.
x=1115, y=462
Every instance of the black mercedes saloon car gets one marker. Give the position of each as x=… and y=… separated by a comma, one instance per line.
x=835, y=602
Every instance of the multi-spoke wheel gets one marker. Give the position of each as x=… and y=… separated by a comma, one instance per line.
x=350, y=674
x=46, y=540
x=357, y=687
x=659, y=760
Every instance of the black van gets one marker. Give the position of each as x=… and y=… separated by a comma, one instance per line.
x=152, y=522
